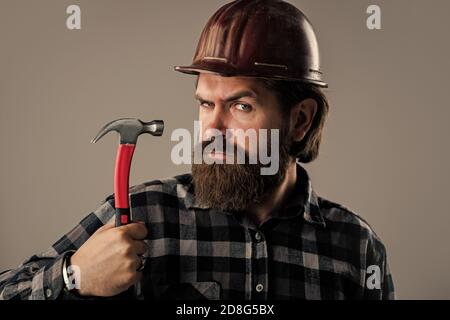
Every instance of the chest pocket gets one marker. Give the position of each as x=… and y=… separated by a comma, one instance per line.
x=209, y=290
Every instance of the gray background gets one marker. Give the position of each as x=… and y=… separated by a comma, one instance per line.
x=384, y=155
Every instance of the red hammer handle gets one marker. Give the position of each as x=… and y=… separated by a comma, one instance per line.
x=121, y=183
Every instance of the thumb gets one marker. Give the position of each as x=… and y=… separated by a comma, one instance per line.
x=136, y=230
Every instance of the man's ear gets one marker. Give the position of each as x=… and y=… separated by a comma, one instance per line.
x=302, y=116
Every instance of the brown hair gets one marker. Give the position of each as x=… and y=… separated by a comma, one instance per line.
x=290, y=93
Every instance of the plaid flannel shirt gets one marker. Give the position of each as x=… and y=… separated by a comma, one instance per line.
x=312, y=248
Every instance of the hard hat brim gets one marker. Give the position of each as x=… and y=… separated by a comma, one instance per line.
x=226, y=71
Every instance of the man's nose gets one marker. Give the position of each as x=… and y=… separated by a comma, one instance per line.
x=218, y=121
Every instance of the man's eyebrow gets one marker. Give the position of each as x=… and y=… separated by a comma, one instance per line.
x=235, y=96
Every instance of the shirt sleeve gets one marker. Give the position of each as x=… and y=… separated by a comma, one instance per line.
x=40, y=276
x=379, y=284
x=388, y=285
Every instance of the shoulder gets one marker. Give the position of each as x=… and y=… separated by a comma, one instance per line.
x=167, y=191
x=166, y=185
x=172, y=186
x=347, y=225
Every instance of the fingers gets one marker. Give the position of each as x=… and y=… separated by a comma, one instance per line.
x=136, y=231
x=139, y=263
x=140, y=247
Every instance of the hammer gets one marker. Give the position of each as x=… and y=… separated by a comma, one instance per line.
x=129, y=130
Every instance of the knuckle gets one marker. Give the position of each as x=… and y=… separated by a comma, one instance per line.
x=121, y=232
x=129, y=264
x=122, y=235
x=125, y=249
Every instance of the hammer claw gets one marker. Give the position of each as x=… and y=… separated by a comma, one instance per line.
x=103, y=131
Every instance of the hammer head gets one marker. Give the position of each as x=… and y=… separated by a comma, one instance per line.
x=129, y=129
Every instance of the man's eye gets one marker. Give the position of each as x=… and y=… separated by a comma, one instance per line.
x=243, y=107
x=205, y=105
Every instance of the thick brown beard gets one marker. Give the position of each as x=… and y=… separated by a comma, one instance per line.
x=234, y=187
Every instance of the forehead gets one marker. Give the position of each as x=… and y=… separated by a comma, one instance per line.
x=219, y=87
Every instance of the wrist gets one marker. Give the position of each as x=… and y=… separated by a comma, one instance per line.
x=70, y=274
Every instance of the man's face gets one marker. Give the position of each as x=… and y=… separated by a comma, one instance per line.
x=235, y=103
x=231, y=103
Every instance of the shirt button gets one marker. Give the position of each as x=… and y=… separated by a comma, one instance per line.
x=258, y=236
x=48, y=293
x=259, y=287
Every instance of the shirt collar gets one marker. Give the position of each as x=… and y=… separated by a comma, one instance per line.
x=303, y=201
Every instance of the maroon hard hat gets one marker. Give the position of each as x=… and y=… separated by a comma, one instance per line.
x=258, y=38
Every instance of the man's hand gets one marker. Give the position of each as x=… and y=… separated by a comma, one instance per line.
x=108, y=260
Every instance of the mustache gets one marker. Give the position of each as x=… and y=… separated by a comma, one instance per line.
x=221, y=144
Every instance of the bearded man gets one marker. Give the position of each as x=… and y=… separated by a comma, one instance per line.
x=227, y=231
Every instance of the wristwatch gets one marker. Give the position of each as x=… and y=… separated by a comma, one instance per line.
x=66, y=264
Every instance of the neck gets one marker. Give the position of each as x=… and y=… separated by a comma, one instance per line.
x=273, y=201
